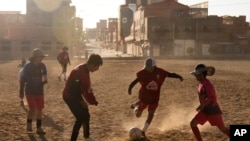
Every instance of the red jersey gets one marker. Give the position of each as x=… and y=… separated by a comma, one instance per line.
x=63, y=58
x=207, y=97
x=151, y=83
x=79, y=84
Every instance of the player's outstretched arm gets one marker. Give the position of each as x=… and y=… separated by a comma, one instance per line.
x=174, y=75
x=132, y=84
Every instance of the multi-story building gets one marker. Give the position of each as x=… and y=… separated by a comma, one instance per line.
x=91, y=33
x=112, y=35
x=168, y=28
x=102, y=30
x=8, y=20
x=112, y=30
x=46, y=25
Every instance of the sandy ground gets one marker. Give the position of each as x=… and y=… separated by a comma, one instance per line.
x=112, y=118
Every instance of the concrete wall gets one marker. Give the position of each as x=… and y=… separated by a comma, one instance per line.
x=181, y=46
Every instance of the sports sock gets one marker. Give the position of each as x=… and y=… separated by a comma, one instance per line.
x=38, y=123
x=29, y=120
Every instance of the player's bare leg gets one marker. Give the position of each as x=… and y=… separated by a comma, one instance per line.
x=225, y=130
x=195, y=130
x=148, y=122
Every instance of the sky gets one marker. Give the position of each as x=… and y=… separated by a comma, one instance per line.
x=93, y=10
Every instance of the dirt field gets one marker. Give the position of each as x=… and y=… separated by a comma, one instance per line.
x=112, y=118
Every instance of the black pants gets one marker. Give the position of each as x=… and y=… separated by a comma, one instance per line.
x=82, y=118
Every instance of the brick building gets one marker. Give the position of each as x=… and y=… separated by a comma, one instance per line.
x=169, y=28
x=48, y=26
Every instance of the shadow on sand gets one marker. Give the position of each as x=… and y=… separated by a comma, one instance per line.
x=47, y=121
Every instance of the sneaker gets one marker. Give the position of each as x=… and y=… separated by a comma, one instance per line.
x=29, y=127
x=90, y=139
x=136, y=110
x=40, y=131
x=143, y=135
x=134, y=105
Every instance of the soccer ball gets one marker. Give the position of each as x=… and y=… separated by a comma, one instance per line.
x=135, y=133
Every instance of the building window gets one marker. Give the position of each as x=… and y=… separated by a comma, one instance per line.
x=26, y=43
x=46, y=45
x=5, y=42
x=59, y=45
x=25, y=46
x=180, y=28
x=155, y=28
x=188, y=28
x=5, y=48
x=178, y=13
x=5, y=45
x=228, y=21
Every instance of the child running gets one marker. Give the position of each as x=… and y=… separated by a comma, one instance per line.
x=63, y=59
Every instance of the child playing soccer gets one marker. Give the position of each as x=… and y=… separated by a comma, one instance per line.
x=209, y=109
x=78, y=93
x=151, y=79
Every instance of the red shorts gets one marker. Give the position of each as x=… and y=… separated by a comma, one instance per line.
x=35, y=101
x=214, y=120
x=151, y=107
